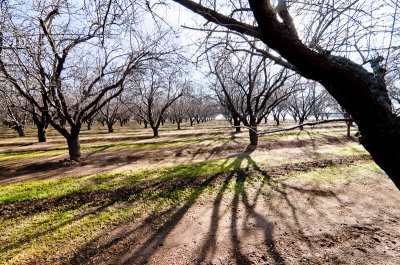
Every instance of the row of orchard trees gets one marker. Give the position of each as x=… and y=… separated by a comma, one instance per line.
x=64, y=62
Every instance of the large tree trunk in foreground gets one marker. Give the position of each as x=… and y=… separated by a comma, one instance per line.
x=352, y=86
x=74, y=148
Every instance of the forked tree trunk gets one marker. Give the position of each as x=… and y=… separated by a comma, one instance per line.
x=41, y=126
x=74, y=148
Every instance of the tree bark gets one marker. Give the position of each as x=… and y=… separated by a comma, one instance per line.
x=348, y=129
x=74, y=148
x=110, y=127
x=236, y=123
x=301, y=121
x=41, y=133
x=145, y=124
x=155, y=131
x=179, y=125
x=20, y=130
x=253, y=136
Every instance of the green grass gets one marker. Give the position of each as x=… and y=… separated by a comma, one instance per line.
x=58, y=233
x=334, y=173
x=345, y=151
x=57, y=187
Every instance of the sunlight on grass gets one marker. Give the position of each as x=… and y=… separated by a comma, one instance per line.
x=52, y=188
x=345, y=151
x=336, y=172
x=63, y=233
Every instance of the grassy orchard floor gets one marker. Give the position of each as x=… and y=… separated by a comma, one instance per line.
x=199, y=195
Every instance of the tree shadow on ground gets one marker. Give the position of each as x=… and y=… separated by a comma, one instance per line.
x=159, y=225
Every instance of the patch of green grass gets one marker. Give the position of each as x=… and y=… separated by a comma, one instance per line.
x=345, y=151
x=44, y=237
x=336, y=172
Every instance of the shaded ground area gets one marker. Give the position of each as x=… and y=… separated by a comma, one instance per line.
x=293, y=223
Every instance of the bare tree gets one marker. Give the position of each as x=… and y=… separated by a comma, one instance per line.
x=13, y=110
x=302, y=103
x=178, y=110
x=248, y=86
x=153, y=94
x=110, y=111
x=65, y=63
x=280, y=111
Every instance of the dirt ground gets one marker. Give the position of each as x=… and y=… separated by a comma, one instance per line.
x=353, y=220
